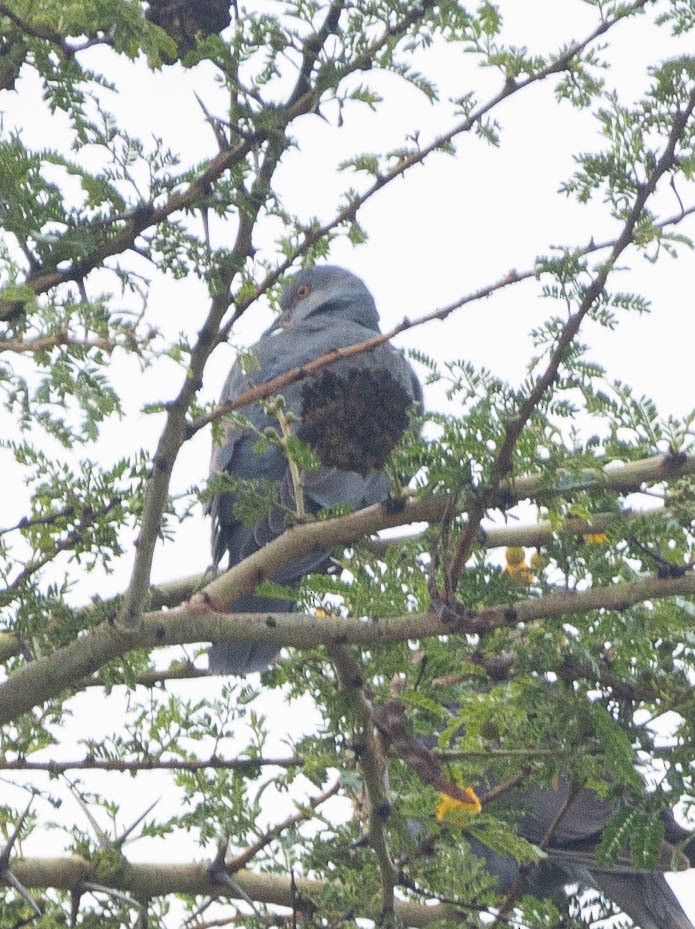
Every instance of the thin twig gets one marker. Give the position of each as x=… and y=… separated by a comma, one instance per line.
x=243, y=858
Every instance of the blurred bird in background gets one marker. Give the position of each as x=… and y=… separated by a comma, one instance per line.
x=352, y=413
x=575, y=821
x=567, y=823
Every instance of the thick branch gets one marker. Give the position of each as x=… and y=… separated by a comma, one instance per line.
x=172, y=593
x=345, y=530
x=144, y=880
x=47, y=677
x=300, y=540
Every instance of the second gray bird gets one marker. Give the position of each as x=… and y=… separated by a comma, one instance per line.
x=577, y=821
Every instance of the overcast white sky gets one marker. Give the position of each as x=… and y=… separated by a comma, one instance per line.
x=443, y=231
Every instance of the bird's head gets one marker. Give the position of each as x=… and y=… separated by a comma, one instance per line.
x=326, y=291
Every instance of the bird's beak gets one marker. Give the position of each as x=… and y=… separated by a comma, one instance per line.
x=278, y=325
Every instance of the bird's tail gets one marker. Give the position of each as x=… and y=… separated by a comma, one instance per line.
x=645, y=897
x=245, y=658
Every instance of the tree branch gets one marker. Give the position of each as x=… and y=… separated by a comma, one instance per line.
x=144, y=880
x=47, y=677
x=37, y=32
x=373, y=766
x=90, y=763
x=268, y=388
x=243, y=858
x=145, y=216
x=346, y=530
x=46, y=343
x=503, y=464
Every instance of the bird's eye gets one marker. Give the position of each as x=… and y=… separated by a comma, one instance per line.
x=301, y=291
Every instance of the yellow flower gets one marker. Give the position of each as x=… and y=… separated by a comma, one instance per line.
x=516, y=565
x=458, y=811
x=596, y=538
x=515, y=555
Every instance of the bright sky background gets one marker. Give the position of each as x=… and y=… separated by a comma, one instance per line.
x=443, y=231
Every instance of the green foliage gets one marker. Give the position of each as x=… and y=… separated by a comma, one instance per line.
x=638, y=830
x=107, y=228
x=617, y=747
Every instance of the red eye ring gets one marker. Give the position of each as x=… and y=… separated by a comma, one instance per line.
x=301, y=291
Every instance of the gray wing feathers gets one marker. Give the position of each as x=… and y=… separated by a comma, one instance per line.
x=644, y=896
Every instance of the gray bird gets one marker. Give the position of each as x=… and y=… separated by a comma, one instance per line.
x=352, y=413
x=569, y=825
x=644, y=896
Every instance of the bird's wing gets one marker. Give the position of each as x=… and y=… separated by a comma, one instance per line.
x=236, y=453
x=645, y=897
x=583, y=816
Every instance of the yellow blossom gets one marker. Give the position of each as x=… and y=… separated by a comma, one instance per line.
x=516, y=565
x=515, y=555
x=456, y=811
